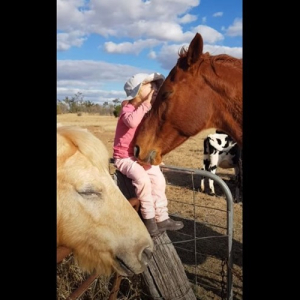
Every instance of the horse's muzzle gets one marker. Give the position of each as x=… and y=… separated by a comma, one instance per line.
x=136, y=151
x=149, y=159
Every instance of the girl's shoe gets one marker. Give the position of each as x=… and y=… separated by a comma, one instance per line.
x=151, y=227
x=169, y=224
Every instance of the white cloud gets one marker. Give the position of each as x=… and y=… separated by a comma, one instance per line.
x=67, y=40
x=152, y=55
x=236, y=29
x=130, y=18
x=168, y=55
x=136, y=47
x=210, y=35
x=218, y=14
x=68, y=14
x=91, y=71
x=160, y=30
x=94, y=79
x=159, y=27
x=187, y=19
x=215, y=50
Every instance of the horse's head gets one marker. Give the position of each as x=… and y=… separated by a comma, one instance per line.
x=174, y=115
x=94, y=219
x=192, y=98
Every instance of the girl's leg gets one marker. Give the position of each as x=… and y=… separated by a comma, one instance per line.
x=164, y=222
x=158, y=184
x=141, y=182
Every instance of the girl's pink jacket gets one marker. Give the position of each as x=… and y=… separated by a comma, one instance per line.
x=129, y=119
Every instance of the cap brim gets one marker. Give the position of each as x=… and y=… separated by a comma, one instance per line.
x=155, y=77
x=134, y=93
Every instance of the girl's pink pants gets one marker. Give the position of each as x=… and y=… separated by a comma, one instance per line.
x=150, y=187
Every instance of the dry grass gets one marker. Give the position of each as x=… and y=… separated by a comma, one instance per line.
x=184, y=201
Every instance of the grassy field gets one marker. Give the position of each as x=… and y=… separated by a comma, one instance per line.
x=183, y=193
x=189, y=154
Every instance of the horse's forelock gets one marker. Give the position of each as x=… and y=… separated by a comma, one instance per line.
x=182, y=52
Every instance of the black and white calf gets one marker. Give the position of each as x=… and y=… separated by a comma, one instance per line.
x=220, y=151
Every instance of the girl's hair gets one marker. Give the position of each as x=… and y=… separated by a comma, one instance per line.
x=133, y=100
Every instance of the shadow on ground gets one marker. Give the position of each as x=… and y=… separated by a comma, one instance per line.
x=209, y=243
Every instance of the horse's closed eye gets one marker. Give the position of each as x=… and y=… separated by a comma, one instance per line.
x=89, y=194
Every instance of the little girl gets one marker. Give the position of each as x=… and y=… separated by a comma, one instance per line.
x=149, y=182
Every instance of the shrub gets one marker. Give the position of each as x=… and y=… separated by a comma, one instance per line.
x=117, y=110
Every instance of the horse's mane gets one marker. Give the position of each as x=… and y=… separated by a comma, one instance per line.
x=87, y=144
x=214, y=59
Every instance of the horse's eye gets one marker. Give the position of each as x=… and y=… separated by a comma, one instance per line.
x=166, y=95
x=90, y=194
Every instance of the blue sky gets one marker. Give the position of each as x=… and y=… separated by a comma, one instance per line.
x=101, y=43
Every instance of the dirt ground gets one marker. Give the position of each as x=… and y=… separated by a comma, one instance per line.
x=204, y=269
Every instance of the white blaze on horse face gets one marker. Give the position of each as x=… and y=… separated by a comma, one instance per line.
x=94, y=219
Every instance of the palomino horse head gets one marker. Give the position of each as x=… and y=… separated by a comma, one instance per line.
x=201, y=92
x=94, y=219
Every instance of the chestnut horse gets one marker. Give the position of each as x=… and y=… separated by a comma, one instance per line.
x=94, y=219
x=202, y=91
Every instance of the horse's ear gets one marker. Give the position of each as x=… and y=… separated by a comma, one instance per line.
x=195, y=49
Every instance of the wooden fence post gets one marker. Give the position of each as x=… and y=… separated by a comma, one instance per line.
x=165, y=276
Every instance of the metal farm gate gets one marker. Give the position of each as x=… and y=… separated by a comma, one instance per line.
x=194, y=242
x=191, y=240
x=195, y=262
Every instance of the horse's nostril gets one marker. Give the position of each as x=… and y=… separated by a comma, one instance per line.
x=147, y=254
x=136, y=151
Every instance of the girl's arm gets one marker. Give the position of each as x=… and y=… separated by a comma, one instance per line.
x=133, y=118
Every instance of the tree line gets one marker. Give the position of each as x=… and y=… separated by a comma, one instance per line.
x=76, y=104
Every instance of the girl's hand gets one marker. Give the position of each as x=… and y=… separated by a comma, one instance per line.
x=124, y=102
x=149, y=97
x=154, y=95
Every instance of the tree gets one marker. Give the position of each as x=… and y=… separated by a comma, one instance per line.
x=61, y=108
x=116, y=101
x=117, y=110
x=78, y=98
x=87, y=105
